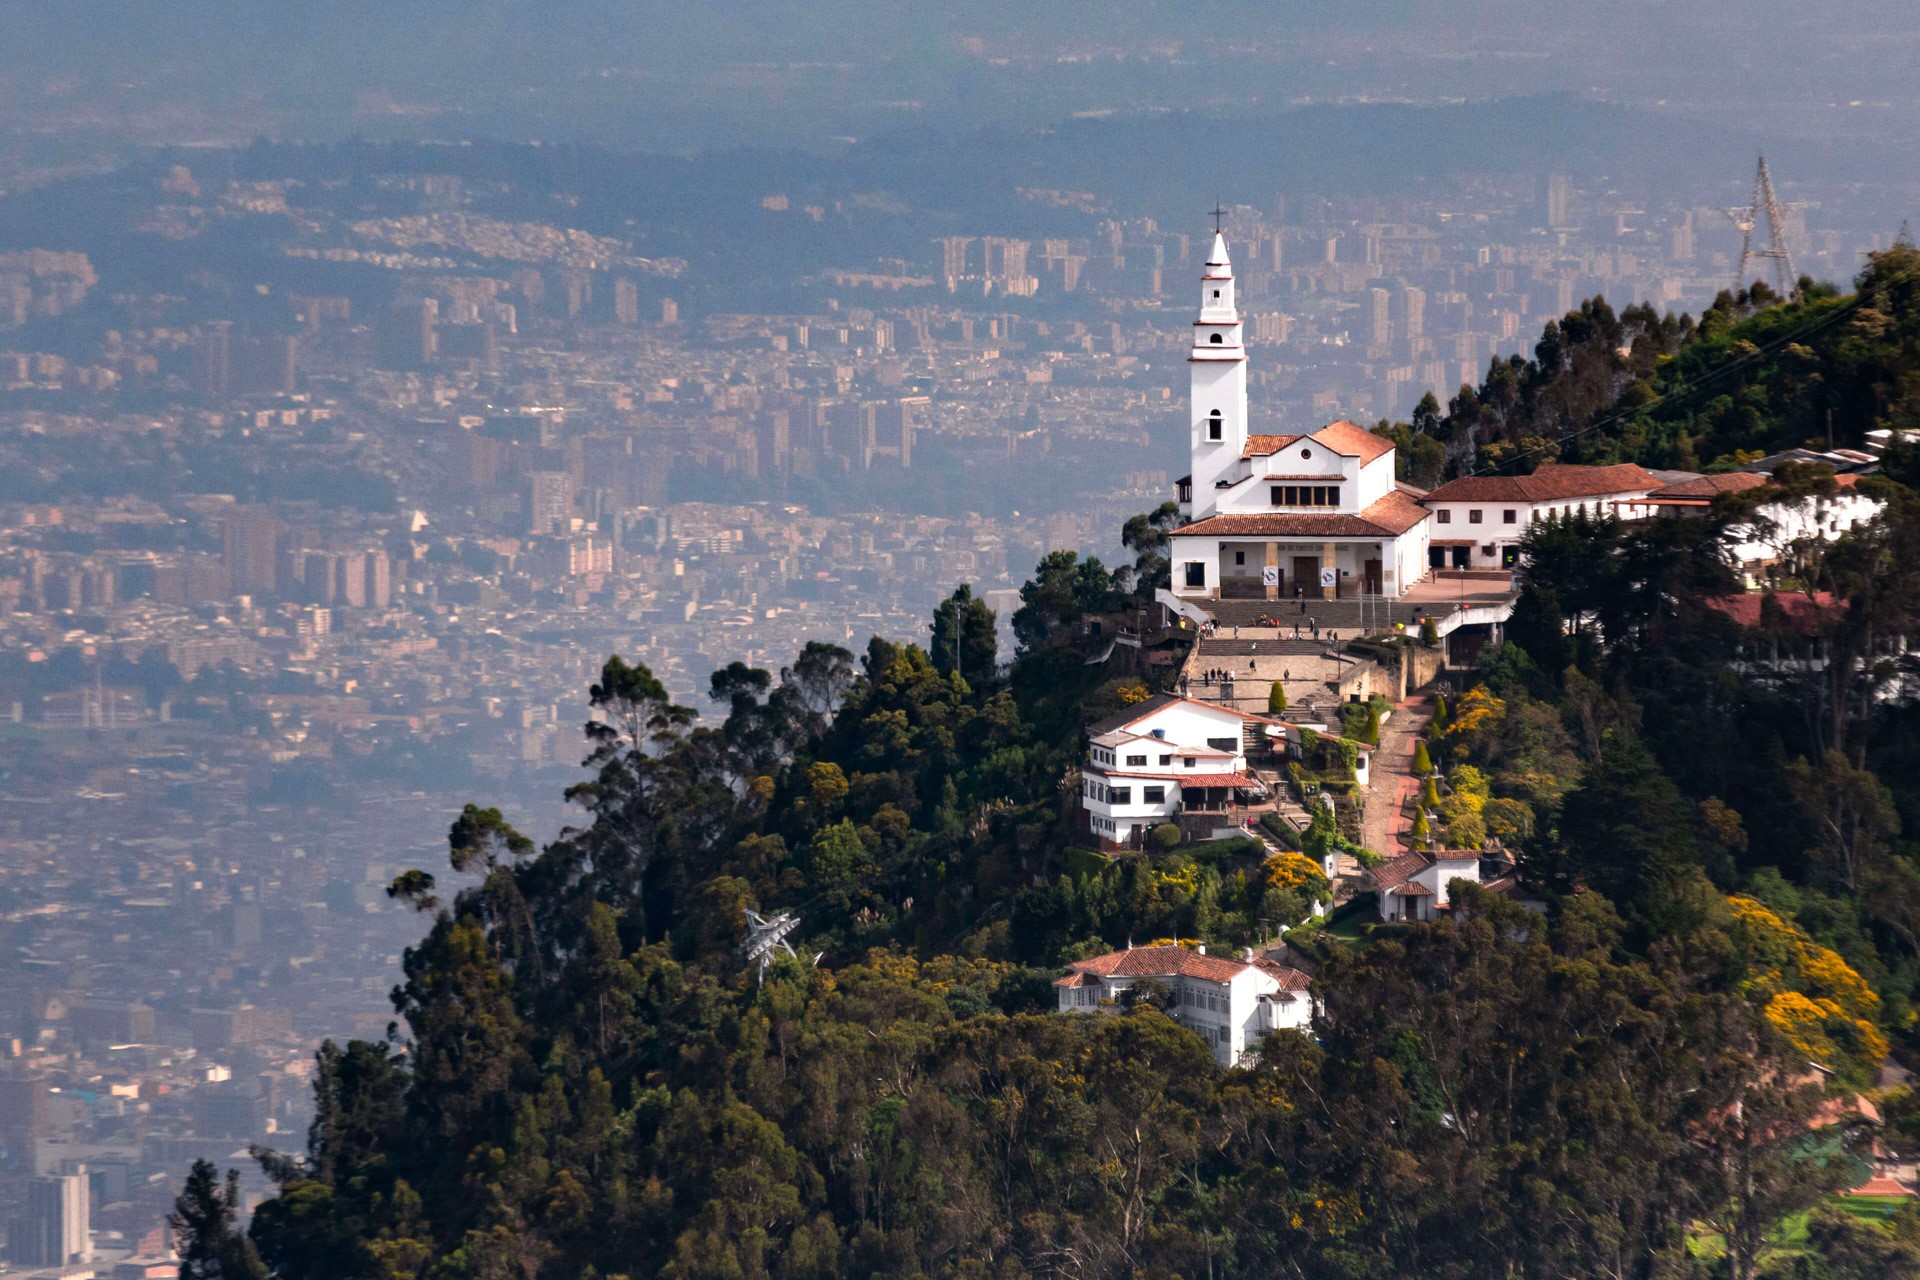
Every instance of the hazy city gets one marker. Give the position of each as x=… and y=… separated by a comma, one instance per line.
x=351, y=417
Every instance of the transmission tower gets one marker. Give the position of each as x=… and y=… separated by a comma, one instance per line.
x=764, y=937
x=1786, y=282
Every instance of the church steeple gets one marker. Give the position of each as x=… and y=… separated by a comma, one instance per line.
x=1218, y=369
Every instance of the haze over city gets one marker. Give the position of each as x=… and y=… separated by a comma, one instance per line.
x=371, y=374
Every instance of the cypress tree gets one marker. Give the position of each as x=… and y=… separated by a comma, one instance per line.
x=1422, y=760
x=1276, y=699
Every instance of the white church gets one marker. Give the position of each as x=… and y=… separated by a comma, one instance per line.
x=1272, y=516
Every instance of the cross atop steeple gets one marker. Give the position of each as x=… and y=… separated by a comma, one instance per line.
x=1218, y=215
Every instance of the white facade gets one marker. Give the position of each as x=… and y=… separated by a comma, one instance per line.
x=1418, y=886
x=1275, y=516
x=1232, y=1004
x=1217, y=369
x=1146, y=764
x=1479, y=521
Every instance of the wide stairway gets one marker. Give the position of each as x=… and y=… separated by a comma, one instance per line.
x=1344, y=616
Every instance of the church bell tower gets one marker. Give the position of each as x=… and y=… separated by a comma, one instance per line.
x=1218, y=370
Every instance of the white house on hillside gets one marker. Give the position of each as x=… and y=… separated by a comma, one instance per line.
x=1777, y=528
x=1318, y=512
x=1159, y=757
x=1478, y=521
x=1232, y=1004
x=1417, y=886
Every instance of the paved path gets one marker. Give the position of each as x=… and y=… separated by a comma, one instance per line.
x=1384, y=827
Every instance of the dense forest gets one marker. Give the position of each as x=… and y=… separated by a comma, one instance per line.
x=1665, y=1074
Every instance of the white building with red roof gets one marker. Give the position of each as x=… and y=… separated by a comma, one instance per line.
x=1162, y=757
x=1478, y=521
x=1320, y=511
x=1418, y=886
x=1232, y=1003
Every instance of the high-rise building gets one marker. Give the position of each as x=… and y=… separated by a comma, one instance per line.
x=953, y=260
x=1379, y=317
x=112, y=1022
x=577, y=287
x=252, y=550
x=1413, y=313
x=53, y=1229
x=1683, y=238
x=550, y=509
x=213, y=358
x=626, y=302
x=669, y=311
x=377, y=570
x=1559, y=201
x=25, y=1121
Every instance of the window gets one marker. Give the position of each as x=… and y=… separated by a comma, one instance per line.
x=1214, y=422
x=1120, y=795
x=1474, y=516
x=1304, y=495
x=1443, y=516
x=1187, y=762
x=1216, y=295
x=1239, y=557
x=1196, y=573
x=1228, y=745
x=1215, y=339
x=1154, y=795
x=1134, y=762
x=1165, y=761
x=1509, y=516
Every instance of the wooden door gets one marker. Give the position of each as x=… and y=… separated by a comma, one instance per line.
x=1306, y=575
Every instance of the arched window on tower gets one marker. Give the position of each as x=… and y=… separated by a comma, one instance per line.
x=1216, y=339
x=1214, y=422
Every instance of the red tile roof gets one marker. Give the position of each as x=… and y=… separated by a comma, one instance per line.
x=1164, y=962
x=1391, y=516
x=1708, y=486
x=1551, y=482
x=1353, y=441
x=1393, y=875
x=1880, y=1187
x=1266, y=446
x=1796, y=610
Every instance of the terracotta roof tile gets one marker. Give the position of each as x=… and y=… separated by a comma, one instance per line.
x=1352, y=440
x=1552, y=482
x=1183, y=962
x=1394, y=873
x=1391, y=516
x=1708, y=486
x=1265, y=446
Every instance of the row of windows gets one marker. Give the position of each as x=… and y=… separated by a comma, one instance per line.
x=1305, y=495
x=1140, y=762
x=1208, y=1000
x=1509, y=515
x=1101, y=755
x=1476, y=516
x=1093, y=790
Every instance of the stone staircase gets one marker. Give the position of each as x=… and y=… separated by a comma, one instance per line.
x=1344, y=616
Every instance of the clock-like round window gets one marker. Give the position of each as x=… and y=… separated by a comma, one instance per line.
x=1306, y=453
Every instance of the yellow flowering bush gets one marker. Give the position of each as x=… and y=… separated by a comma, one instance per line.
x=1812, y=995
x=1296, y=873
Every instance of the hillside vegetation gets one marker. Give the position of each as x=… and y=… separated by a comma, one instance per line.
x=587, y=1078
